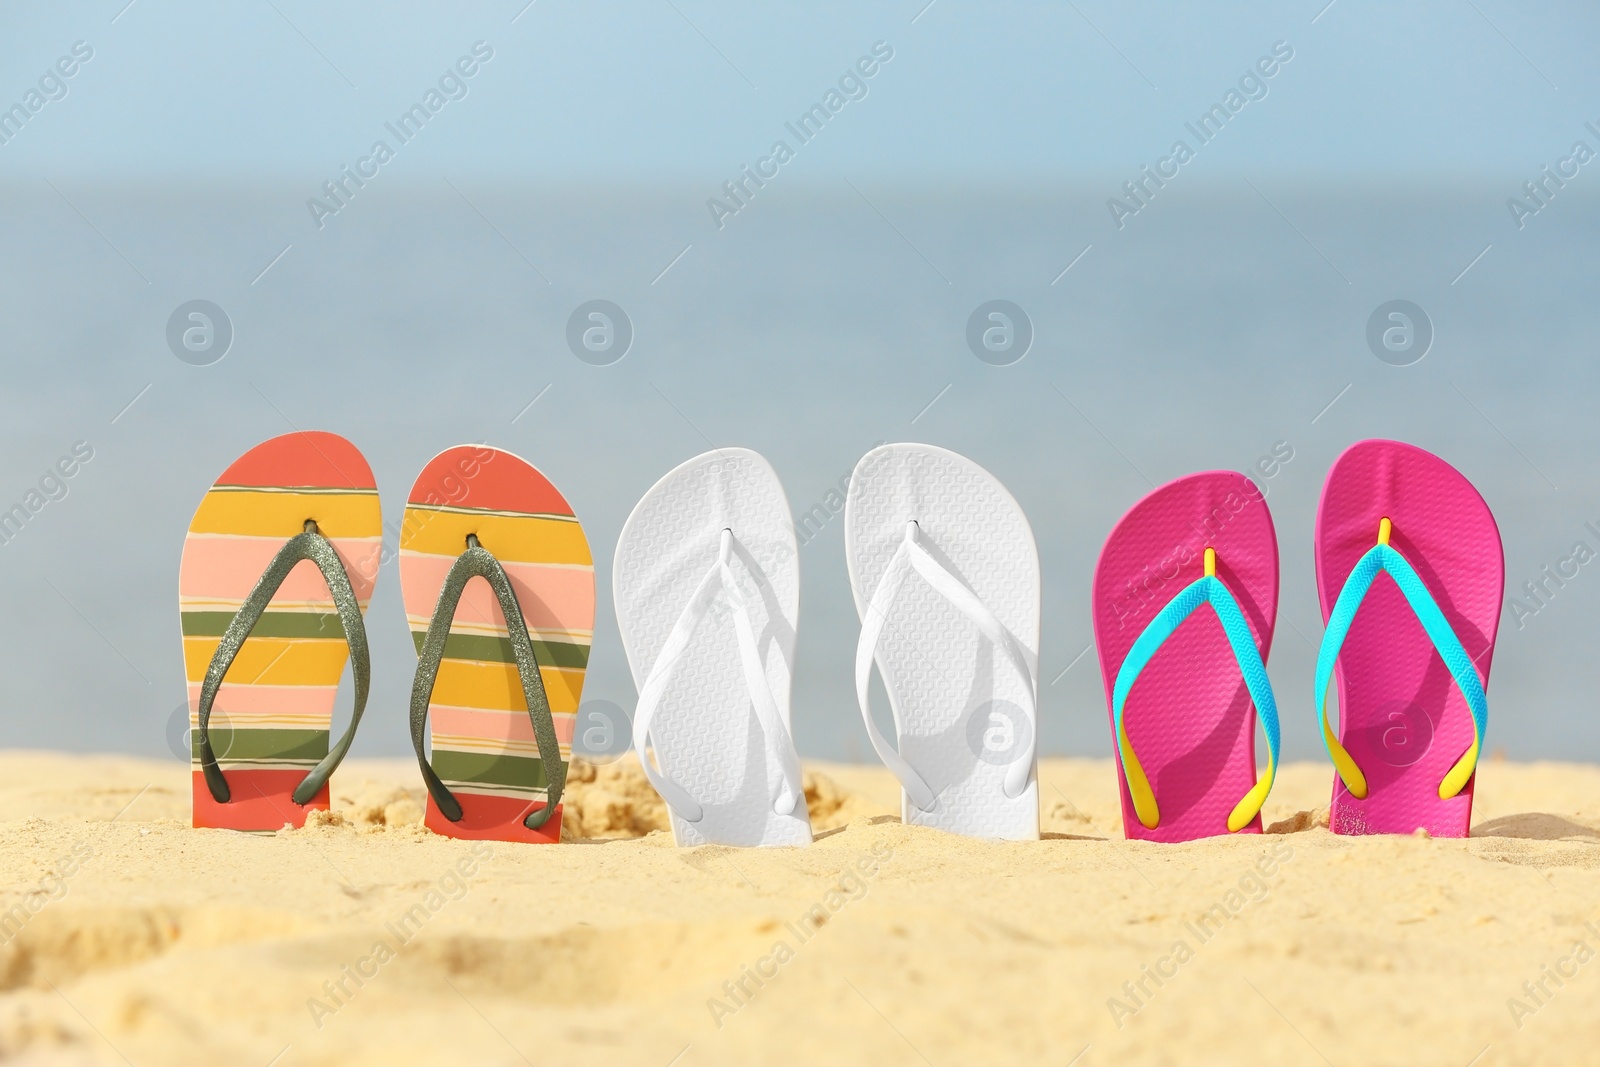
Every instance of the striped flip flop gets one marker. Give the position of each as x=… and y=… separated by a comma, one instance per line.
x=278, y=567
x=500, y=660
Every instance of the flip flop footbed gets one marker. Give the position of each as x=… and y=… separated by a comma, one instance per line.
x=483, y=743
x=1189, y=717
x=960, y=707
x=1400, y=715
x=706, y=735
x=270, y=721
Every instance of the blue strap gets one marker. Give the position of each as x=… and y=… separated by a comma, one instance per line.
x=1205, y=590
x=1381, y=557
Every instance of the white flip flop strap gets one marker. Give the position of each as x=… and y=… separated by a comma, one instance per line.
x=650, y=696
x=866, y=649
x=672, y=653
x=911, y=555
x=755, y=679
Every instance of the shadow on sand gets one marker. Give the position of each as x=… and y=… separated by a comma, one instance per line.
x=1536, y=826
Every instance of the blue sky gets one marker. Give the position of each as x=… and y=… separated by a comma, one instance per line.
x=619, y=94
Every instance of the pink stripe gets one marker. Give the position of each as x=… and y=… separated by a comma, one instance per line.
x=551, y=597
x=227, y=568
x=497, y=725
x=266, y=699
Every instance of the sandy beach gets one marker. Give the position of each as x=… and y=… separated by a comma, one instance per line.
x=366, y=939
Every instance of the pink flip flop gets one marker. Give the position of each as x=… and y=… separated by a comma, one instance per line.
x=1180, y=690
x=1412, y=651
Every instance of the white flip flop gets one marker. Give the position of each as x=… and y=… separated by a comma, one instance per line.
x=946, y=581
x=707, y=590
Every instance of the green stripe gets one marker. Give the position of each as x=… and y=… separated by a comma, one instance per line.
x=263, y=744
x=271, y=624
x=521, y=771
x=498, y=650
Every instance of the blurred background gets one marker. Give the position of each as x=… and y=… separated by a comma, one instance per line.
x=1202, y=322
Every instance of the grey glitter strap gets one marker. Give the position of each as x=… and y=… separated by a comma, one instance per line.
x=478, y=562
x=313, y=546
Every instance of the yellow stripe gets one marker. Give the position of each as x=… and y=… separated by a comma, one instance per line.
x=252, y=721
x=196, y=686
x=498, y=687
x=496, y=747
x=283, y=514
x=512, y=539
x=559, y=717
x=271, y=660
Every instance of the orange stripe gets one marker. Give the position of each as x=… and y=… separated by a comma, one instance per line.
x=475, y=476
x=305, y=458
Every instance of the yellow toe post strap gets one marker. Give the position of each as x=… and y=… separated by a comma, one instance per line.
x=1354, y=781
x=1383, y=557
x=1207, y=589
x=1144, y=798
